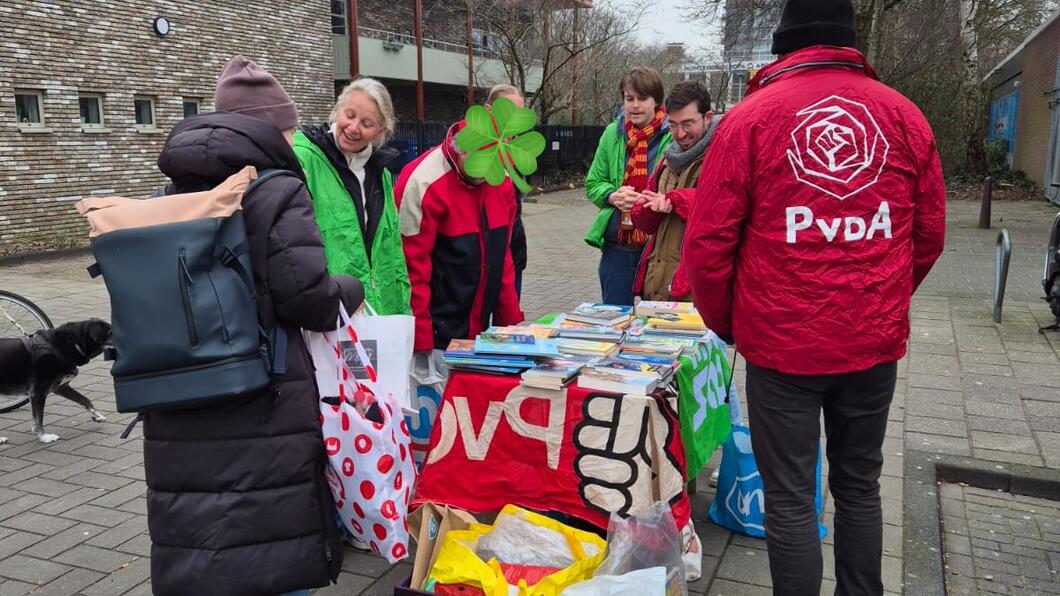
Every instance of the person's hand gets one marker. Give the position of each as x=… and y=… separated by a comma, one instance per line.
x=624, y=198
x=659, y=203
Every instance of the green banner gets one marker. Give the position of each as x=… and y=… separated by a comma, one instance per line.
x=705, y=422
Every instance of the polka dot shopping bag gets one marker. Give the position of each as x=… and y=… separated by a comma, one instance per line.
x=369, y=449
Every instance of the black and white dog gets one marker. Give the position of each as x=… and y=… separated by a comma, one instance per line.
x=46, y=362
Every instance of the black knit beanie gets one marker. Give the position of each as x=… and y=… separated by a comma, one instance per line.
x=806, y=23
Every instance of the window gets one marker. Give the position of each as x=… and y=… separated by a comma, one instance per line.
x=145, y=112
x=338, y=17
x=91, y=106
x=28, y=112
x=191, y=106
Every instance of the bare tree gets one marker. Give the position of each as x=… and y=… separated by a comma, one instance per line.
x=536, y=44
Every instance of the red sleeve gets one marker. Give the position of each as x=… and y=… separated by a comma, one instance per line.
x=722, y=205
x=508, y=311
x=419, y=229
x=645, y=219
x=929, y=218
x=682, y=199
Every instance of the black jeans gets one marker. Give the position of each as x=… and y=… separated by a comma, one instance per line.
x=785, y=413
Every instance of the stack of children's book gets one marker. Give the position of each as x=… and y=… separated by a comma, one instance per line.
x=621, y=375
x=553, y=373
x=461, y=355
x=602, y=346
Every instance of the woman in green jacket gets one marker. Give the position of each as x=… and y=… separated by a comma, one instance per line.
x=627, y=154
x=346, y=167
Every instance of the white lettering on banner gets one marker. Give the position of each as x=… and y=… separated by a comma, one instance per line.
x=801, y=218
x=455, y=419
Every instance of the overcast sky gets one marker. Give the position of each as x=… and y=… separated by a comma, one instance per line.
x=664, y=22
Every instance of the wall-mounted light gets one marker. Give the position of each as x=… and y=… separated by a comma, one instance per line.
x=161, y=26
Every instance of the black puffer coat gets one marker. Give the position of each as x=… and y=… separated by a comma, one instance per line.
x=237, y=502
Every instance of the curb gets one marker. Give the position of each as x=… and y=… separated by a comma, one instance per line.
x=44, y=255
x=922, y=551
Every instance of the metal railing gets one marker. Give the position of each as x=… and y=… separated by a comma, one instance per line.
x=567, y=148
x=397, y=37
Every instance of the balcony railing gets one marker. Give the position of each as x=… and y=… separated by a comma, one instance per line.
x=406, y=39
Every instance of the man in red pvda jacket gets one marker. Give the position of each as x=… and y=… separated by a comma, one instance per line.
x=820, y=209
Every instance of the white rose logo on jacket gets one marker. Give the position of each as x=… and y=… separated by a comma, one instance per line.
x=838, y=147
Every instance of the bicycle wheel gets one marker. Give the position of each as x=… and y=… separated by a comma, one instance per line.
x=19, y=317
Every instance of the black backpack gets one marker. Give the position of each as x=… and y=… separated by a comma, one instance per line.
x=185, y=322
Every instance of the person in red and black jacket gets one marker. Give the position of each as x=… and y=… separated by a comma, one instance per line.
x=456, y=233
x=819, y=211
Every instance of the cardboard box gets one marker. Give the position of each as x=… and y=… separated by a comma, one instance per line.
x=428, y=525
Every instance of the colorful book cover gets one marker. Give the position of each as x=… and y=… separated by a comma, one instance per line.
x=606, y=314
x=581, y=346
x=538, y=331
x=681, y=321
x=650, y=308
x=514, y=344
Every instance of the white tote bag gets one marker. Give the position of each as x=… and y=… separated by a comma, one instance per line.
x=388, y=341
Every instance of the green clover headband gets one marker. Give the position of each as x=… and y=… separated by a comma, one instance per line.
x=499, y=141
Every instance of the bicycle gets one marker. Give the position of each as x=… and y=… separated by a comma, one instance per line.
x=19, y=317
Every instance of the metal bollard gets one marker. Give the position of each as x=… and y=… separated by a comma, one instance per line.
x=984, y=207
x=1002, y=256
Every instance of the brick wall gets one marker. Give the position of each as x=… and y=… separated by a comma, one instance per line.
x=1034, y=123
x=109, y=47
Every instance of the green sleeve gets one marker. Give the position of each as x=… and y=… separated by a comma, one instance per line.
x=598, y=183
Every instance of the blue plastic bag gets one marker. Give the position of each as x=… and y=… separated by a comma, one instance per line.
x=740, y=502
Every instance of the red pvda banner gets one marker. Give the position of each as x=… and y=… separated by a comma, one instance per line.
x=578, y=451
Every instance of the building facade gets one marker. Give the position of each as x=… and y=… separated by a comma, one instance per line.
x=1025, y=107
x=90, y=89
x=386, y=47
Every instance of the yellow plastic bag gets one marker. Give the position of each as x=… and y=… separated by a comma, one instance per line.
x=459, y=563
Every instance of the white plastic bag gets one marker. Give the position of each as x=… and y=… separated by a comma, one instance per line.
x=387, y=341
x=643, y=582
x=517, y=541
x=648, y=538
x=427, y=379
x=692, y=555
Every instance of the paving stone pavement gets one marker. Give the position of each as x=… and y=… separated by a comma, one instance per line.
x=72, y=513
x=999, y=543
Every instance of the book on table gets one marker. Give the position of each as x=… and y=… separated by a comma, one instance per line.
x=602, y=314
x=586, y=348
x=552, y=373
x=618, y=383
x=538, y=331
x=461, y=353
x=590, y=332
x=512, y=344
x=651, y=308
x=677, y=321
x=635, y=368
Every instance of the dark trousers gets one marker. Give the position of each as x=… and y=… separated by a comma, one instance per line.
x=785, y=411
x=618, y=270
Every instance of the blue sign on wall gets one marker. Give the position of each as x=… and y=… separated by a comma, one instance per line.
x=1003, y=113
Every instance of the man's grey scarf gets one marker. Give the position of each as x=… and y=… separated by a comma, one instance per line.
x=678, y=160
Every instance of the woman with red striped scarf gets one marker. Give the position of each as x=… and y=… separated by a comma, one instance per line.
x=628, y=152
